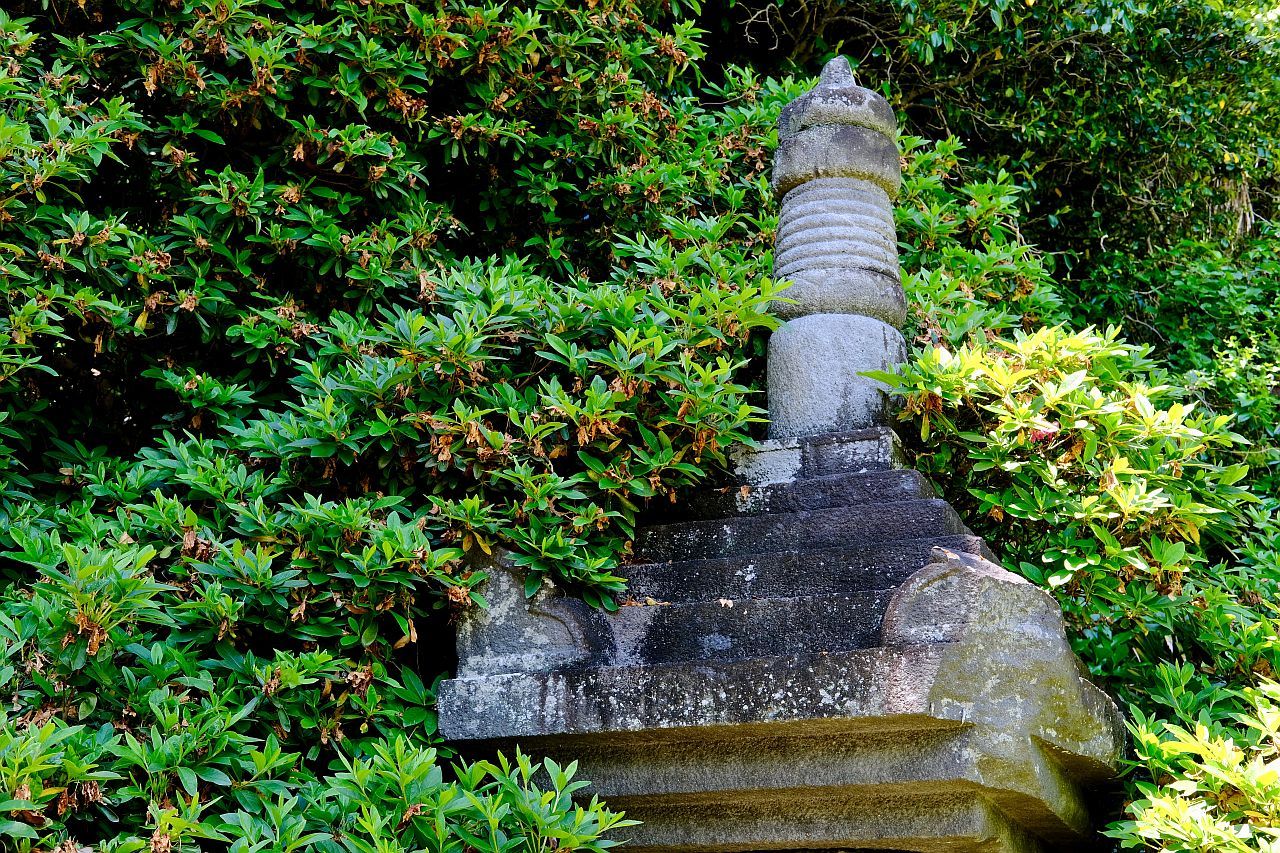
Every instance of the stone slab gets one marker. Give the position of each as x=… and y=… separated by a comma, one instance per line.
x=920, y=820
x=868, y=690
x=788, y=459
x=818, y=529
x=780, y=574
x=811, y=493
x=763, y=774
x=643, y=633
x=517, y=633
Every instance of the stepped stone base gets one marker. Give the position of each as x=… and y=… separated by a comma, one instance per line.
x=828, y=661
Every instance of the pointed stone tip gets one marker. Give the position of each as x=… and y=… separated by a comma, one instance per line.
x=837, y=72
x=837, y=100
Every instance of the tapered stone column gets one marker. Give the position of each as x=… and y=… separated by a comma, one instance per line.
x=837, y=172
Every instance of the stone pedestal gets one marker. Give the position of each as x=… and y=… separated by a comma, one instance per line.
x=819, y=656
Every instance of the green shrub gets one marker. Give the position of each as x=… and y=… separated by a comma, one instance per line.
x=967, y=270
x=1189, y=299
x=1223, y=792
x=307, y=308
x=395, y=799
x=1209, y=310
x=1072, y=453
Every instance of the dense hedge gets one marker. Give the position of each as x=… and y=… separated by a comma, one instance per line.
x=309, y=306
x=306, y=306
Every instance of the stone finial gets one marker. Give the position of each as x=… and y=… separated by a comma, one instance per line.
x=837, y=99
x=837, y=130
x=837, y=170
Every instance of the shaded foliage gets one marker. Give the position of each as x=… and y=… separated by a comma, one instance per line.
x=1132, y=122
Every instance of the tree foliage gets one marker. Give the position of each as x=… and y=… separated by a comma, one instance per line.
x=1130, y=121
x=310, y=306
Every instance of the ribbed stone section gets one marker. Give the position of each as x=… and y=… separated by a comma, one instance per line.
x=838, y=247
x=833, y=223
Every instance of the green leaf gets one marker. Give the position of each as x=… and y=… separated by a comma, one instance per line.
x=190, y=783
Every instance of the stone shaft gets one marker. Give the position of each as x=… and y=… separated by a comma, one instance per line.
x=837, y=172
x=815, y=379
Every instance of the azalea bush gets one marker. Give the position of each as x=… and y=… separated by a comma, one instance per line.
x=395, y=799
x=1208, y=309
x=308, y=310
x=967, y=269
x=1227, y=791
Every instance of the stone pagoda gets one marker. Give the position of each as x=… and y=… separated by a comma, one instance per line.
x=826, y=657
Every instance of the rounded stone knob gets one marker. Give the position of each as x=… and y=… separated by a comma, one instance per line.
x=837, y=100
x=837, y=130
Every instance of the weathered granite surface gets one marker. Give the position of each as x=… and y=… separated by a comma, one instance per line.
x=777, y=683
x=837, y=171
x=837, y=151
x=838, y=99
x=837, y=130
x=819, y=656
x=815, y=367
